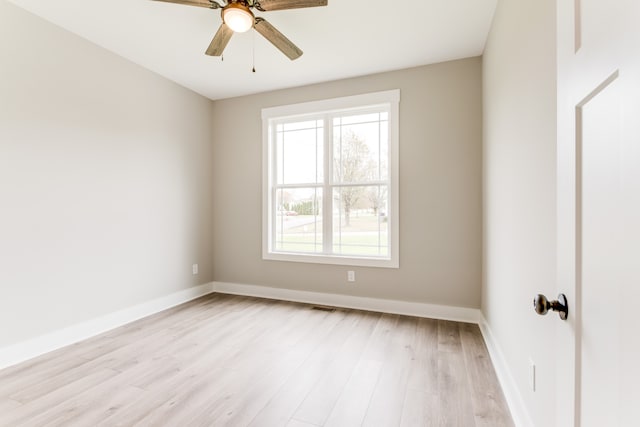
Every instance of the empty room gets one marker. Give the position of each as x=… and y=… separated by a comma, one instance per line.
x=306, y=213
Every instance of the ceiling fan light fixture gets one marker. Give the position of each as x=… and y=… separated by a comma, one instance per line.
x=238, y=17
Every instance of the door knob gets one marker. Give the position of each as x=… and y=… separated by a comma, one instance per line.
x=542, y=305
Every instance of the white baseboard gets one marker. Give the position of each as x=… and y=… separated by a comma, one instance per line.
x=29, y=349
x=434, y=311
x=519, y=412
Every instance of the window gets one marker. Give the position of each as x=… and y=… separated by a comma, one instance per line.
x=330, y=178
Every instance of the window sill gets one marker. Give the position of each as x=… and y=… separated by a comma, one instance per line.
x=333, y=259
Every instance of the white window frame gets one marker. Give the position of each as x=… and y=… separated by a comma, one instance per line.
x=390, y=99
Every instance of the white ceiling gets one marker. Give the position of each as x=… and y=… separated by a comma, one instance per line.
x=347, y=38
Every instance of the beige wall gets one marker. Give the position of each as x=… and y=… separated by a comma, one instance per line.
x=440, y=189
x=519, y=87
x=105, y=181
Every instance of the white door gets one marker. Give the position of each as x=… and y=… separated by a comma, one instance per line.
x=599, y=212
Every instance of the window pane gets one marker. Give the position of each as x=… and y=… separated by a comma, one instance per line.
x=359, y=149
x=298, y=217
x=280, y=158
x=299, y=149
x=320, y=153
x=384, y=150
x=360, y=221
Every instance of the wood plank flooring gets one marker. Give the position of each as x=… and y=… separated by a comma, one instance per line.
x=225, y=360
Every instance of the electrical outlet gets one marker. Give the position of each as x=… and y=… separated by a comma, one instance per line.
x=532, y=375
x=194, y=269
x=351, y=276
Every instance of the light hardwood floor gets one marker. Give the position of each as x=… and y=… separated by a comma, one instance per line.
x=228, y=360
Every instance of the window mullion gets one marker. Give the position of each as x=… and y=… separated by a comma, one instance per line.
x=327, y=200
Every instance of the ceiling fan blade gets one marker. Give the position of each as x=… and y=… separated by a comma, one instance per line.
x=278, y=39
x=266, y=5
x=220, y=40
x=200, y=3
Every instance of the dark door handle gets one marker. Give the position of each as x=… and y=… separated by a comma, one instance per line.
x=542, y=305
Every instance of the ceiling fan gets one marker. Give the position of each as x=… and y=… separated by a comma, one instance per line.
x=237, y=17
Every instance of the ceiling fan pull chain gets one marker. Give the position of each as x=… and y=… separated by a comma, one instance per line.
x=253, y=50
